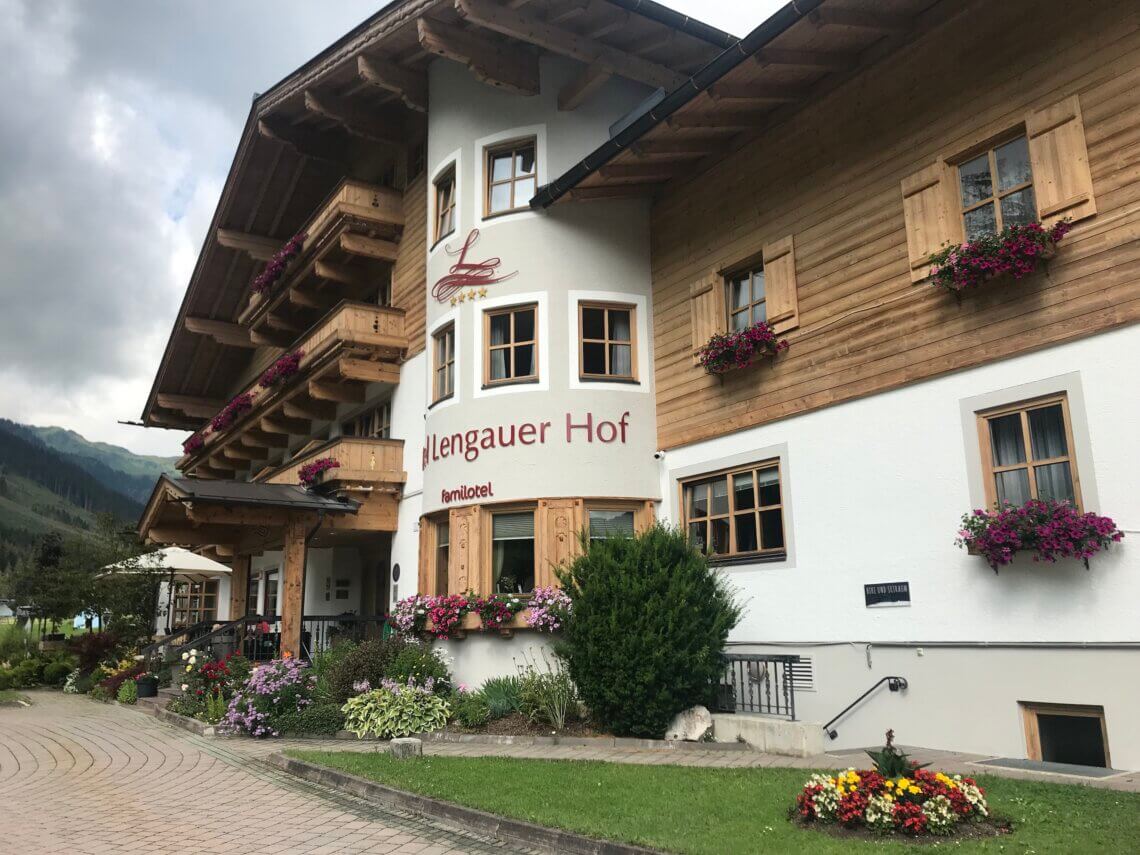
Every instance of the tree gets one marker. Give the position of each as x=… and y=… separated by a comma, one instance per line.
x=647, y=629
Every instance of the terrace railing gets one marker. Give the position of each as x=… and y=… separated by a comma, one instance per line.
x=320, y=632
x=757, y=683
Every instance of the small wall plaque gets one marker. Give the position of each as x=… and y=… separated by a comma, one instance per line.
x=887, y=594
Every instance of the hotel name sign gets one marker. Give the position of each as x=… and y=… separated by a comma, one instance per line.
x=573, y=429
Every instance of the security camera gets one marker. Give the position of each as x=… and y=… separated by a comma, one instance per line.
x=659, y=455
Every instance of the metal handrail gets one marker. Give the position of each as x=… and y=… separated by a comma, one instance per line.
x=895, y=684
x=165, y=641
x=758, y=683
x=223, y=628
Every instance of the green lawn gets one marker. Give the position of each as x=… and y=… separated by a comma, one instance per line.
x=737, y=811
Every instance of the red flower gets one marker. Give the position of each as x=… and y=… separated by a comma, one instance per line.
x=909, y=818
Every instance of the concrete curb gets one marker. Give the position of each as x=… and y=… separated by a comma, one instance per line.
x=470, y=819
x=576, y=741
x=196, y=727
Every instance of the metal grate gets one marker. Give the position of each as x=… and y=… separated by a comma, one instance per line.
x=803, y=675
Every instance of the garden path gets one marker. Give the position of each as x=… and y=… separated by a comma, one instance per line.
x=78, y=776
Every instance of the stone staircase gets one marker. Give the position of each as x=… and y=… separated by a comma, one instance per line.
x=150, y=705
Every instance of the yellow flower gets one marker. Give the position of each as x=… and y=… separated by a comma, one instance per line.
x=888, y=797
x=189, y=668
x=914, y=791
x=904, y=783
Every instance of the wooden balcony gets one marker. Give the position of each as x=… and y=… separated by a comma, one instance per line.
x=354, y=345
x=376, y=463
x=349, y=248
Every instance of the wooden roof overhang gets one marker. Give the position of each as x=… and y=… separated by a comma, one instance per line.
x=353, y=112
x=240, y=517
x=805, y=50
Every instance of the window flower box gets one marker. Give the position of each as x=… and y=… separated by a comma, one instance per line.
x=314, y=473
x=282, y=369
x=278, y=264
x=1048, y=529
x=1016, y=252
x=727, y=352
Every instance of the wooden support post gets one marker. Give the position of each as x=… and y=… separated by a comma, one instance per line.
x=292, y=588
x=239, y=586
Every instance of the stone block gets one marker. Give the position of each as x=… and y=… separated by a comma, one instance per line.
x=770, y=735
x=402, y=749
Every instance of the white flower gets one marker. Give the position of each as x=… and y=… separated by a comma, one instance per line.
x=185, y=656
x=193, y=652
x=193, y=660
x=185, y=686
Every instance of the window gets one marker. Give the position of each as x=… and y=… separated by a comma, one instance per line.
x=606, y=333
x=1027, y=452
x=736, y=513
x=443, y=384
x=512, y=552
x=607, y=523
x=372, y=424
x=511, y=177
x=271, y=596
x=195, y=602
x=444, y=205
x=996, y=189
x=442, y=554
x=512, y=342
x=746, y=300
x=1066, y=733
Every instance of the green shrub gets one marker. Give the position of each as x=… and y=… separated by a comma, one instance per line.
x=184, y=705
x=92, y=648
x=101, y=693
x=650, y=619
x=214, y=708
x=470, y=709
x=15, y=643
x=128, y=692
x=547, y=697
x=502, y=696
x=324, y=665
x=56, y=672
x=5, y=679
x=319, y=719
x=368, y=662
x=394, y=711
x=422, y=663
x=28, y=674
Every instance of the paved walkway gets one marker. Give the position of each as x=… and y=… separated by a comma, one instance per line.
x=78, y=776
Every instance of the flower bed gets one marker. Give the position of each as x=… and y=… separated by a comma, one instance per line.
x=311, y=472
x=724, y=353
x=278, y=264
x=275, y=690
x=896, y=797
x=1048, y=529
x=286, y=366
x=1017, y=252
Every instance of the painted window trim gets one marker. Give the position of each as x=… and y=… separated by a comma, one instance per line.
x=505, y=136
x=445, y=329
x=452, y=162
x=607, y=306
x=644, y=382
x=536, y=376
x=479, y=346
x=449, y=174
x=490, y=151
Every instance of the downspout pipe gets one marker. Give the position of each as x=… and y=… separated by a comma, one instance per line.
x=717, y=68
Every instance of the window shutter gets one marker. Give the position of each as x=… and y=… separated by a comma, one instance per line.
x=931, y=211
x=1062, y=182
x=463, y=559
x=558, y=524
x=427, y=557
x=706, y=302
x=780, y=284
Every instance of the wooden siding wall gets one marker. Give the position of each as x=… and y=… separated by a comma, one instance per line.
x=831, y=179
x=409, y=273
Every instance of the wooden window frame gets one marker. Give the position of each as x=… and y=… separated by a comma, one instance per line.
x=607, y=307
x=624, y=507
x=727, y=473
x=749, y=267
x=373, y=423
x=444, y=335
x=180, y=602
x=486, y=521
x=448, y=176
x=989, y=147
x=510, y=346
x=1023, y=407
x=1031, y=709
x=440, y=522
x=489, y=154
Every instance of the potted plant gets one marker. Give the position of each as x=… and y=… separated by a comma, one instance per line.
x=1016, y=252
x=315, y=472
x=723, y=353
x=147, y=685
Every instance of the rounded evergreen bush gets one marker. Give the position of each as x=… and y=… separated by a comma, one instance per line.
x=368, y=662
x=647, y=629
x=56, y=672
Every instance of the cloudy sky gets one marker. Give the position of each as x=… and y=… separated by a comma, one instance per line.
x=120, y=121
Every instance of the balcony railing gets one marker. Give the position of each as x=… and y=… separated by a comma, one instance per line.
x=362, y=461
x=352, y=346
x=754, y=683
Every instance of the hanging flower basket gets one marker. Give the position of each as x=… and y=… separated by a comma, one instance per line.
x=496, y=611
x=1016, y=252
x=193, y=444
x=278, y=264
x=1048, y=529
x=231, y=412
x=724, y=353
x=315, y=472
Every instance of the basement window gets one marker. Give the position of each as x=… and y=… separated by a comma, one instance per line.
x=1064, y=733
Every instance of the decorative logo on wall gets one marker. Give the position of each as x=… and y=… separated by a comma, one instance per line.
x=471, y=275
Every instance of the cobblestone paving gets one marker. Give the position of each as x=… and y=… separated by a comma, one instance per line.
x=78, y=776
